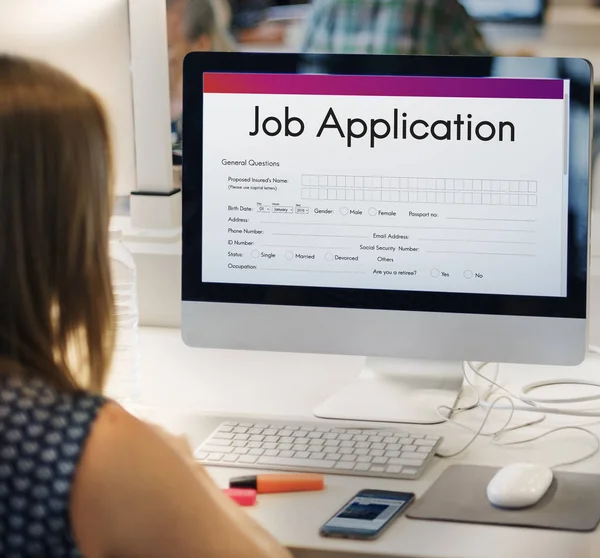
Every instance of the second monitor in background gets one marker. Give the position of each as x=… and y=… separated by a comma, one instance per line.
x=331, y=207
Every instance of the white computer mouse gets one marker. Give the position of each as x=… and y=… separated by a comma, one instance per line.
x=520, y=485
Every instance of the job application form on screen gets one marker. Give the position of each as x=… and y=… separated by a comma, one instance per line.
x=383, y=182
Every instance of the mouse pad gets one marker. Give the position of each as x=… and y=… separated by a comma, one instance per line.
x=571, y=504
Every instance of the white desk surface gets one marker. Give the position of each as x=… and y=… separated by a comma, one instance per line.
x=187, y=390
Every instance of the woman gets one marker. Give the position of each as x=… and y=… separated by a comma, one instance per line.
x=78, y=475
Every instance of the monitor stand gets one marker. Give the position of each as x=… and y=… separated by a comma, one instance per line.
x=397, y=390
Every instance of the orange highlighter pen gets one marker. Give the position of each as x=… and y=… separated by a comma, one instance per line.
x=271, y=483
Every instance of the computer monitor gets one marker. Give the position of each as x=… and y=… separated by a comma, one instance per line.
x=118, y=49
x=506, y=11
x=419, y=211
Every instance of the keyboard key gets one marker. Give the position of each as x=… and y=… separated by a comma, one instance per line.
x=394, y=447
x=317, y=455
x=345, y=437
x=231, y=458
x=254, y=445
x=287, y=440
x=391, y=440
x=348, y=458
x=423, y=449
x=315, y=434
x=344, y=465
x=362, y=467
x=219, y=442
x=201, y=455
x=362, y=445
x=246, y=424
x=405, y=462
x=330, y=436
x=214, y=457
x=405, y=441
x=239, y=444
x=240, y=430
x=285, y=432
x=361, y=451
x=376, y=453
x=255, y=431
x=269, y=445
x=284, y=447
x=300, y=434
x=347, y=444
x=394, y=469
x=256, y=452
x=307, y=463
x=417, y=436
x=345, y=451
x=317, y=442
x=250, y=459
x=364, y=459
x=256, y=438
x=377, y=469
x=412, y=455
x=409, y=471
x=270, y=432
x=409, y=448
x=360, y=438
x=332, y=443
x=333, y=457
x=426, y=443
x=302, y=454
x=353, y=431
x=223, y=436
x=271, y=438
x=379, y=460
x=392, y=454
x=322, y=429
x=378, y=446
x=300, y=447
x=286, y=454
x=241, y=451
x=375, y=439
x=272, y=453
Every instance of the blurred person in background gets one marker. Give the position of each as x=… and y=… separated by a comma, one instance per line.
x=192, y=25
x=392, y=27
x=250, y=24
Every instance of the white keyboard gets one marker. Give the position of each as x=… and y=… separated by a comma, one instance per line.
x=370, y=452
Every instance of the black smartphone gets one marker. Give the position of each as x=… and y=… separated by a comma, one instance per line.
x=367, y=514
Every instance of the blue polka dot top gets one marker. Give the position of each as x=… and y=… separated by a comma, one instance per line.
x=42, y=435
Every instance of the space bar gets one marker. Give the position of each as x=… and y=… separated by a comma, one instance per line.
x=291, y=462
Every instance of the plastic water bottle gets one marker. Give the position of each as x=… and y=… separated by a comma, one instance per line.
x=124, y=382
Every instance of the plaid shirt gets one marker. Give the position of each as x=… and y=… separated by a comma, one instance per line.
x=392, y=27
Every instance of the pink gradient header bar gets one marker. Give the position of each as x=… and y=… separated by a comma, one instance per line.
x=383, y=86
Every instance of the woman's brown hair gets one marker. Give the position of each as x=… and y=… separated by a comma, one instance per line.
x=56, y=305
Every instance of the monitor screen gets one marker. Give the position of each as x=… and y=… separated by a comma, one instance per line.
x=396, y=183
x=505, y=10
x=382, y=205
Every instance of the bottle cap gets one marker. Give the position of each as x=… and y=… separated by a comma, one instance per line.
x=243, y=496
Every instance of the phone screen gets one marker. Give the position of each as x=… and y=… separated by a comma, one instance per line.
x=367, y=514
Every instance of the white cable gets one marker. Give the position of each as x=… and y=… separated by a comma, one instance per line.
x=479, y=431
x=506, y=428
x=526, y=389
x=554, y=431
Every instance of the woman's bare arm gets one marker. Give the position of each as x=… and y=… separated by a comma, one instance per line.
x=136, y=496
